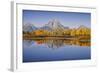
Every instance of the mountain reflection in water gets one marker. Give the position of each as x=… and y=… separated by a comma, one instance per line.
x=36, y=50
x=57, y=43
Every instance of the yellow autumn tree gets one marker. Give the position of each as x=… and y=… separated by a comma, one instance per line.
x=73, y=32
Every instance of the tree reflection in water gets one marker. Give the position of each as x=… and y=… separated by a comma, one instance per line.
x=57, y=43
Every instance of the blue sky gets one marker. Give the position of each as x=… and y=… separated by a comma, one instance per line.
x=70, y=19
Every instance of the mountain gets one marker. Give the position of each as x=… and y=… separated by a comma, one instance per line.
x=45, y=28
x=83, y=27
x=53, y=25
x=66, y=28
x=29, y=27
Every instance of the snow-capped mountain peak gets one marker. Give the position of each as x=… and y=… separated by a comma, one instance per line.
x=55, y=24
x=29, y=27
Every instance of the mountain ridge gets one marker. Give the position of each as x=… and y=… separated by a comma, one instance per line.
x=50, y=26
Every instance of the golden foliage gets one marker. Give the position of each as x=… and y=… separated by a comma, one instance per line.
x=65, y=32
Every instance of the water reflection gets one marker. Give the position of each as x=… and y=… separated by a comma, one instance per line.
x=57, y=43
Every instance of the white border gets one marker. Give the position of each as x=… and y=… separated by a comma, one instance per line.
x=17, y=37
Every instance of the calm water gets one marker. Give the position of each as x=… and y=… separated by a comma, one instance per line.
x=55, y=50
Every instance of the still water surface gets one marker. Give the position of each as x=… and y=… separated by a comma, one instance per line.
x=55, y=50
